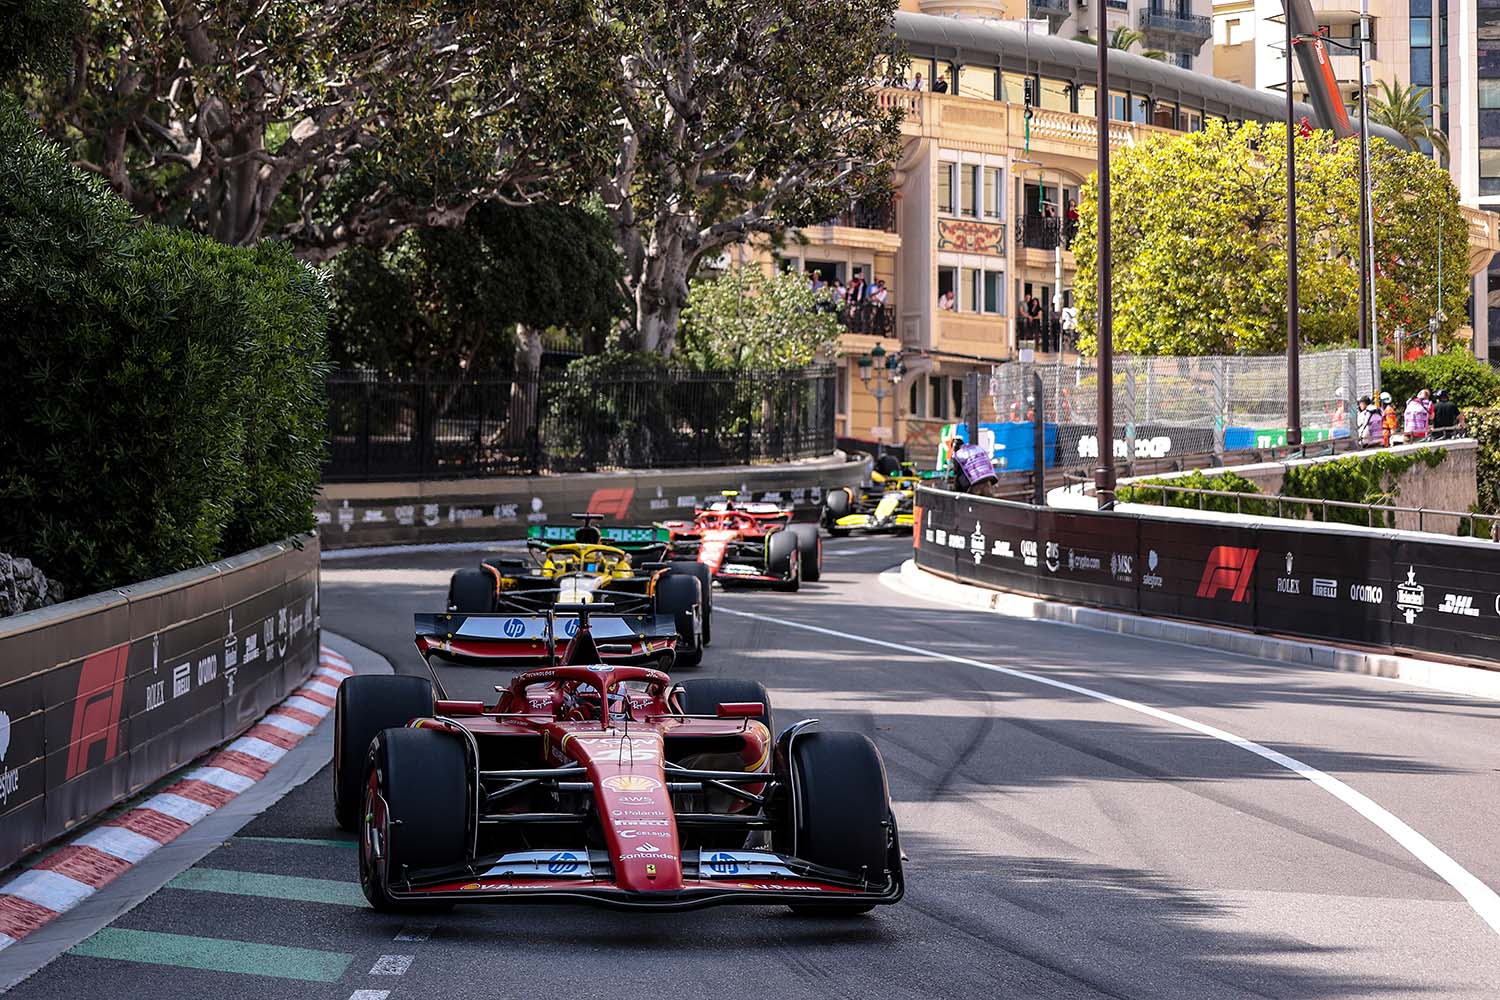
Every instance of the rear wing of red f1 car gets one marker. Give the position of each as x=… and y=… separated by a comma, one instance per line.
x=505, y=639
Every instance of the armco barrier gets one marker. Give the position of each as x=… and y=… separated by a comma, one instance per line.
x=355, y=514
x=104, y=695
x=1391, y=590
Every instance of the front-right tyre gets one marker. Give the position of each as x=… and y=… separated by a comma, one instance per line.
x=842, y=817
x=366, y=704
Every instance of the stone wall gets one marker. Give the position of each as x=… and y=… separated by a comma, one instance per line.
x=23, y=587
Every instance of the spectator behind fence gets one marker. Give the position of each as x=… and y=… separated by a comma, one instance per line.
x=1364, y=422
x=1416, y=419
x=1447, y=421
x=1388, y=419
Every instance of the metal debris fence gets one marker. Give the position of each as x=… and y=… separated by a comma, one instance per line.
x=1170, y=406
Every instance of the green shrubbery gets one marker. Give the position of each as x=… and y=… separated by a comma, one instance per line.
x=1225, y=482
x=1369, y=478
x=160, y=393
x=1468, y=381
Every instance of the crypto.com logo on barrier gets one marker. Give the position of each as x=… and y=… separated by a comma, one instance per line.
x=1228, y=568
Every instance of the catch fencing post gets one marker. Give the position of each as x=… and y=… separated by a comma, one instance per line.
x=1038, y=443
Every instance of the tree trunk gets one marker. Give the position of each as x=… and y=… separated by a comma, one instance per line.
x=525, y=388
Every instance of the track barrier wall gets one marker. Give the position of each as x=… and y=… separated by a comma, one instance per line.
x=358, y=514
x=1389, y=590
x=101, y=696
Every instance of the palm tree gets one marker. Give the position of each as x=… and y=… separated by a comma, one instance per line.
x=1123, y=38
x=1400, y=109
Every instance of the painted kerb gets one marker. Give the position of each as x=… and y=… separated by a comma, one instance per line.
x=104, y=695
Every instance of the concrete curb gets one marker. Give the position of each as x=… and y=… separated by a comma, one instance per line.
x=59, y=880
x=1453, y=679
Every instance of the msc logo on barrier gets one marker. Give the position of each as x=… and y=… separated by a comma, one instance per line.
x=1228, y=568
x=96, y=708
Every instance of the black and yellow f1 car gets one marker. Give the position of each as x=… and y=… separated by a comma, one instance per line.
x=626, y=567
x=885, y=505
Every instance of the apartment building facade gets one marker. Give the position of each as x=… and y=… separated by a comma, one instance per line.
x=984, y=211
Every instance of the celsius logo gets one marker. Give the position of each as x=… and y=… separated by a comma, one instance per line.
x=1366, y=593
x=1324, y=587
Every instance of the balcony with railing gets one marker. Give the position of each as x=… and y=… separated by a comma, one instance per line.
x=1175, y=26
x=1038, y=232
x=1051, y=8
x=875, y=319
x=867, y=214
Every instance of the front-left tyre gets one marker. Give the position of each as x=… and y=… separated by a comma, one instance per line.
x=365, y=705
x=416, y=801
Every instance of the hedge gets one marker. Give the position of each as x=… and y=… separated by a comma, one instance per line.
x=1470, y=383
x=161, y=393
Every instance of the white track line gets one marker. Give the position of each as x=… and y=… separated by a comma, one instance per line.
x=1479, y=896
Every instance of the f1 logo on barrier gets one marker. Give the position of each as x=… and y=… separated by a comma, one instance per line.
x=96, y=710
x=612, y=501
x=1228, y=568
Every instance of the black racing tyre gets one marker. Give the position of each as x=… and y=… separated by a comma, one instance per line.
x=680, y=596
x=781, y=557
x=423, y=775
x=472, y=591
x=810, y=548
x=843, y=816
x=836, y=505
x=703, y=695
x=365, y=705
x=706, y=584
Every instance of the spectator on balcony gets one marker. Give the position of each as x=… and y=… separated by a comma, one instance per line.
x=879, y=295
x=1049, y=212
x=945, y=301
x=940, y=85
x=857, y=291
x=816, y=283
x=1033, y=314
x=917, y=83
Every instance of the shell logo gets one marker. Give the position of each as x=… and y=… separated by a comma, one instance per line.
x=631, y=783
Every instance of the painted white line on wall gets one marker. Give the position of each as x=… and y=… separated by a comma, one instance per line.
x=1480, y=897
x=391, y=965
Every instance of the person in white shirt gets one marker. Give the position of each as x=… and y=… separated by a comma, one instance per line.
x=945, y=301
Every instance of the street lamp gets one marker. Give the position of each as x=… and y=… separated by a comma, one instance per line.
x=1104, y=475
x=1293, y=357
x=881, y=374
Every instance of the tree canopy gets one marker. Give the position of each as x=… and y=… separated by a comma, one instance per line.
x=327, y=122
x=446, y=300
x=748, y=319
x=1199, y=242
x=737, y=119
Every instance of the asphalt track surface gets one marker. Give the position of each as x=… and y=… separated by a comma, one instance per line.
x=1060, y=846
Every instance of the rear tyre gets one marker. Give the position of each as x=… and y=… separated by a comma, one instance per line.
x=363, y=707
x=835, y=506
x=680, y=596
x=471, y=591
x=843, y=819
x=423, y=776
x=706, y=585
x=703, y=695
x=809, y=548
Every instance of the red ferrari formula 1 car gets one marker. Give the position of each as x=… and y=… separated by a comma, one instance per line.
x=749, y=543
x=604, y=784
